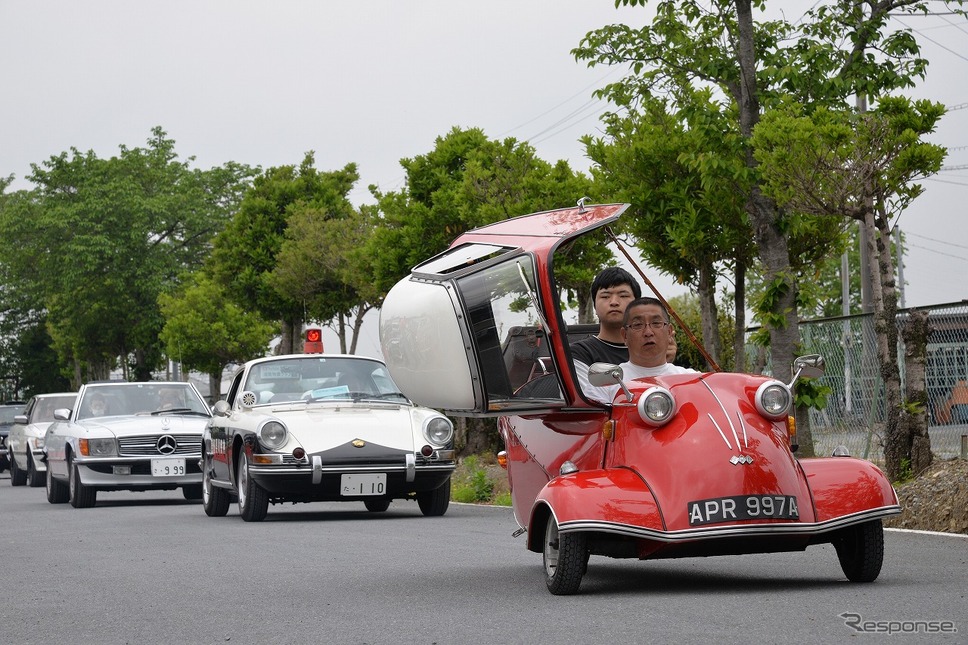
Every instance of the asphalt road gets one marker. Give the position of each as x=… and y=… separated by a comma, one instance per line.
x=153, y=568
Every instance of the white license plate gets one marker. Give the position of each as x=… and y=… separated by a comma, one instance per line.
x=368, y=484
x=167, y=467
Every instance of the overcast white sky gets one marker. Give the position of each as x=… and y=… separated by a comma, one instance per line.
x=374, y=81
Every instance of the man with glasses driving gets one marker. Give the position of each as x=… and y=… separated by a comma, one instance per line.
x=647, y=332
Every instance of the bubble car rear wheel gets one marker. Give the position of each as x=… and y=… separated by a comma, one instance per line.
x=860, y=550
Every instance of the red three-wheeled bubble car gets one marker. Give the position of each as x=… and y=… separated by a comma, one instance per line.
x=686, y=465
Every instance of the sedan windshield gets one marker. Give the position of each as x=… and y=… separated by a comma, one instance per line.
x=140, y=398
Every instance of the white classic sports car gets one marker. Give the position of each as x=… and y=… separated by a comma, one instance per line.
x=25, y=445
x=126, y=436
x=323, y=427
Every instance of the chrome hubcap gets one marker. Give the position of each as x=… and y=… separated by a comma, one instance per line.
x=551, y=548
x=243, y=481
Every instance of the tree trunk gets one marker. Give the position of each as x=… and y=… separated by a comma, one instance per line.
x=781, y=312
x=359, y=314
x=914, y=416
x=77, y=380
x=341, y=332
x=709, y=313
x=586, y=311
x=739, y=330
x=804, y=432
x=897, y=449
x=473, y=436
x=290, y=340
x=214, y=387
x=780, y=309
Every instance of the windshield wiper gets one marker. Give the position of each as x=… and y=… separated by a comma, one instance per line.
x=185, y=411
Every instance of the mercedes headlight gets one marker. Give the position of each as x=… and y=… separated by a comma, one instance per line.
x=656, y=406
x=438, y=430
x=773, y=400
x=97, y=447
x=273, y=435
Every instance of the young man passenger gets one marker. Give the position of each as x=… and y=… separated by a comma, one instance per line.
x=646, y=331
x=612, y=290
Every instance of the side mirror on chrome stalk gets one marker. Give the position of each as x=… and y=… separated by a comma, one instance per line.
x=605, y=374
x=808, y=366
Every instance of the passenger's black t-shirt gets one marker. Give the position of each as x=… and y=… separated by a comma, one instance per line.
x=593, y=349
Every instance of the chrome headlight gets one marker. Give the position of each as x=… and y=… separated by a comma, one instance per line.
x=273, y=435
x=773, y=400
x=656, y=406
x=98, y=447
x=438, y=430
x=35, y=443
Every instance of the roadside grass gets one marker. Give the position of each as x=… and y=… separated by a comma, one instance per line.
x=477, y=481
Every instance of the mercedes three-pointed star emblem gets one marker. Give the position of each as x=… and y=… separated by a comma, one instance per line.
x=166, y=444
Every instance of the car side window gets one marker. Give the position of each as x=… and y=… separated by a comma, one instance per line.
x=234, y=388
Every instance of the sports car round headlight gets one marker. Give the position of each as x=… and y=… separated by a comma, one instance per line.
x=273, y=435
x=773, y=400
x=656, y=406
x=439, y=430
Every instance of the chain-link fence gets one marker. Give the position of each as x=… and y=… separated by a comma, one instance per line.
x=856, y=408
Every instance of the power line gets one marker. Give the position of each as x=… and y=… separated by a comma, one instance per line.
x=929, y=250
x=931, y=239
x=921, y=33
x=943, y=181
x=582, y=92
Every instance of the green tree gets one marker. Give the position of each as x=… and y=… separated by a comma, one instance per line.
x=205, y=331
x=682, y=177
x=864, y=167
x=36, y=363
x=245, y=254
x=99, y=239
x=320, y=265
x=837, y=51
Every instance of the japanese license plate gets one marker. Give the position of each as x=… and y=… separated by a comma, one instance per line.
x=743, y=507
x=365, y=484
x=167, y=467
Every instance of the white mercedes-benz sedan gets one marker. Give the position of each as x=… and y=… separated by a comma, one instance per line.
x=126, y=436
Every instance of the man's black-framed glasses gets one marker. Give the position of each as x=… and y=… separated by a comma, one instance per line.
x=639, y=325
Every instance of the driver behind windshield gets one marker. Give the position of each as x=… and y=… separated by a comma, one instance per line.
x=170, y=399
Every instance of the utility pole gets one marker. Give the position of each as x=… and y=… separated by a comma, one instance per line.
x=866, y=302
